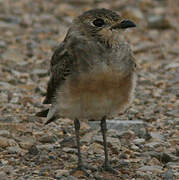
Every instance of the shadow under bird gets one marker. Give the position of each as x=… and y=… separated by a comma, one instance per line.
x=92, y=74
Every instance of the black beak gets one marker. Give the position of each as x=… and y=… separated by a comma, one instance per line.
x=124, y=24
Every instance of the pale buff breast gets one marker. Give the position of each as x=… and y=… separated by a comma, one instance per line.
x=95, y=95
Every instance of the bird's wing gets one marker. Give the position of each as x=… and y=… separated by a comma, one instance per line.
x=61, y=64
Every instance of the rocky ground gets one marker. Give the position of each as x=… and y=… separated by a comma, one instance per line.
x=143, y=143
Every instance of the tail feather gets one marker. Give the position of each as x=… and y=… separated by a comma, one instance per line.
x=42, y=113
x=51, y=116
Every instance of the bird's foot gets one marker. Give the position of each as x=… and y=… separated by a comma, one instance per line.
x=83, y=168
x=107, y=167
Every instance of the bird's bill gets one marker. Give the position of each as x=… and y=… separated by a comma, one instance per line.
x=124, y=24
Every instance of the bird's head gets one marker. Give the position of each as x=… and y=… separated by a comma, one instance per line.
x=103, y=24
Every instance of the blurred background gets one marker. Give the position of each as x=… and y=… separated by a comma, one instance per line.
x=29, y=32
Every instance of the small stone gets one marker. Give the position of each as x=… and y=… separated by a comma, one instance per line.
x=33, y=150
x=95, y=148
x=4, y=97
x=158, y=22
x=173, y=165
x=120, y=125
x=157, y=136
x=26, y=144
x=153, y=145
x=168, y=175
x=139, y=141
x=48, y=139
x=143, y=175
x=2, y=44
x=48, y=147
x=133, y=13
x=97, y=139
x=14, y=150
x=71, y=178
x=69, y=150
x=154, y=169
x=134, y=147
x=62, y=172
x=3, y=176
x=40, y=72
x=4, y=142
x=5, y=133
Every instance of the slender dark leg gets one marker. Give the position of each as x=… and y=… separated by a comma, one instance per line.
x=80, y=166
x=77, y=129
x=106, y=165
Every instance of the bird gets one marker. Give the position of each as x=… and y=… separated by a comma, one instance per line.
x=92, y=74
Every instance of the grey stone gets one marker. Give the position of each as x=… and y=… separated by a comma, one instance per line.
x=134, y=147
x=176, y=121
x=40, y=72
x=158, y=22
x=139, y=141
x=121, y=125
x=48, y=139
x=33, y=150
x=14, y=150
x=153, y=145
x=173, y=165
x=5, y=85
x=5, y=133
x=69, y=150
x=3, y=175
x=62, y=172
x=157, y=136
x=143, y=175
x=154, y=169
x=168, y=175
x=2, y=44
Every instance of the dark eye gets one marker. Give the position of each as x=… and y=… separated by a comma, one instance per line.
x=98, y=22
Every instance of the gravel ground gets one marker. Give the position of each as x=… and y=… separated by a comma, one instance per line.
x=143, y=143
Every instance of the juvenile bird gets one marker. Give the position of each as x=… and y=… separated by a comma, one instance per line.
x=92, y=74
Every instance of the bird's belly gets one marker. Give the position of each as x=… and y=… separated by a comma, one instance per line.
x=95, y=95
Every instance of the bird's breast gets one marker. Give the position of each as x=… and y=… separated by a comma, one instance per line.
x=95, y=94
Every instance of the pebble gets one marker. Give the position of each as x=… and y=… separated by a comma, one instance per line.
x=62, y=172
x=153, y=145
x=3, y=44
x=5, y=133
x=133, y=13
x=120, y=125
x=134, y=147
x=139, y=141
x=173, y=165
x=154, y=169
x=48, y=138
x=143, y=175
x=168, y=175
x=33, y=150
x=69, y=150
x=40, y=72
x=158, y=22
x=15, y=150
x=95, y=148
x=3, y=176
x=5, y=142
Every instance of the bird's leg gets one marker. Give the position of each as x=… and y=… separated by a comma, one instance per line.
x=77, y=129
x=106, y=165
x=80, y=166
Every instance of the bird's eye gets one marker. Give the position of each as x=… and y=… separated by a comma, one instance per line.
x=98, y=22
